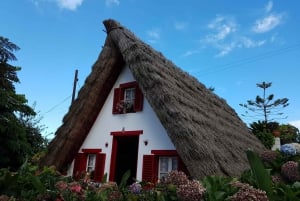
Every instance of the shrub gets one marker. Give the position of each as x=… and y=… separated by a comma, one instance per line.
x=191, y=191
x=290, y=171
x=218, y=188
x=268, y=156
x=175, y=178
x=266, y=138
x=248, y=193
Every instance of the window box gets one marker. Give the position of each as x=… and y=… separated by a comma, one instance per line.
x=128, y=98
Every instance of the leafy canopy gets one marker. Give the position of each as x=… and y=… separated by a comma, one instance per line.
x=15, y=140
x=265, y=105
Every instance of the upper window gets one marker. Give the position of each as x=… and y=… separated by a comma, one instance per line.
x=128, y=98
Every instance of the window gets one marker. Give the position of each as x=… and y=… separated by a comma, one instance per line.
x=129, y=95
x=166, y=165
x=159, y=163
x=128, y=98
x=91, y=162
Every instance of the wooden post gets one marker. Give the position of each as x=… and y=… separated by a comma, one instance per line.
x=74, y=85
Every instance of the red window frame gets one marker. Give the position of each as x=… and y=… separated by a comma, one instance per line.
x=80, y=163
x=151, y=163
x=119, y=98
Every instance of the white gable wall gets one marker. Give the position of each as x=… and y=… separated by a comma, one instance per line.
x=146, y=120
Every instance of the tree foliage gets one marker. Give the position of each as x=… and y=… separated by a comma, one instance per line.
x=265, y=105
x=14, y=131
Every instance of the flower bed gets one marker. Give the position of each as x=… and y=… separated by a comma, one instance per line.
x=30, y=183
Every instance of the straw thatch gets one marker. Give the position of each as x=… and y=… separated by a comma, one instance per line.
x=207, y=133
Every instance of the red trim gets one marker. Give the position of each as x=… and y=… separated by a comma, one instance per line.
x=128, y=84
x=100, y=166
x=126, y=133
x=113, y=160
x=91, y=151
x=149, y=174
x=138, y=104
x=164, y=152
x=79, y=165
x=117, y=94
x=149, y=168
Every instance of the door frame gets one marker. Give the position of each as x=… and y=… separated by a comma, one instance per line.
x=114, y=150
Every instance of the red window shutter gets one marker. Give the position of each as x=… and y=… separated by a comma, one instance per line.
x=79, y=164
x=150, y=168
x=138, y=105
x=99, y=168
x=117, y=93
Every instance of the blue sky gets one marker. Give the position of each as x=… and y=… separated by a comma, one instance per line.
x=227, y=44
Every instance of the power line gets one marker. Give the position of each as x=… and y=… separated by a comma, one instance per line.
x=60, y=103
x=219, y=68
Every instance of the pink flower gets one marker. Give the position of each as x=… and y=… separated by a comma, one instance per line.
x=290, y=171
x=268, y=156
x=59, y=199
x=176, y=178
x=61, y=185
x=248, y=193
x=75, y=187
x=192, y=191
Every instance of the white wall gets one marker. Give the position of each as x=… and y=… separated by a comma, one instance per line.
x=145, y=120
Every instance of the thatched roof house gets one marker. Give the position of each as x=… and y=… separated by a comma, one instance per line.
x=208, y=135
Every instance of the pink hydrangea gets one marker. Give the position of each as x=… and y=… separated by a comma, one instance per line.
x=268, y=156
x=248, y=193
x=276, y=179
x=61, y=185
x=176, y=178
x=75, y=187
x=290, y=171
x=192, y=191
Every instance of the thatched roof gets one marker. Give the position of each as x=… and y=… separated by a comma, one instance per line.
x=207, y=133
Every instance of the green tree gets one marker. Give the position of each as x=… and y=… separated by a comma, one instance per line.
x=265, y=106
x=14, y=139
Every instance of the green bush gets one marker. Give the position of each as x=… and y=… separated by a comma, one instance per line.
x=218, y=188
x=266, y=138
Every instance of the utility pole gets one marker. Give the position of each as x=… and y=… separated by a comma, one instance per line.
x=74, y=85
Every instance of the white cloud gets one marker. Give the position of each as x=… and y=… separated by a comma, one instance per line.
x=295, y=123
x=189, y=53
x=249, y=43
x=69, y=4
x=222, y=27
x=223, y=35
x=226, y=49
x=180, y=25
x=269, y=7
x=112, y=2
x=267, y=23
x=153, y=35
